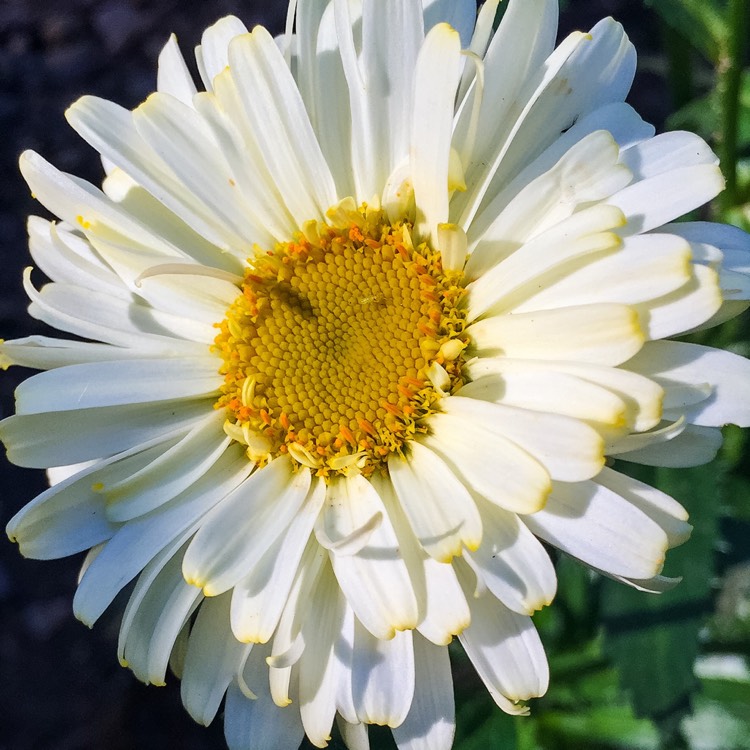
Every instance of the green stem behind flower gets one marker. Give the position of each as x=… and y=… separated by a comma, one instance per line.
x=730, y=78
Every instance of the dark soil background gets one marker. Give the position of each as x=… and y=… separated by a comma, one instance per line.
x=61, y=687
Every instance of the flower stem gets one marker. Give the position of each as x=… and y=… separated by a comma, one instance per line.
x=730, y=71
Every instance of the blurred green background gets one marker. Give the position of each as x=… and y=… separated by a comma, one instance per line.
x=630, y=671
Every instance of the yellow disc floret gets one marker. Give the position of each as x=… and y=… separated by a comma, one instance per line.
x=340, y=344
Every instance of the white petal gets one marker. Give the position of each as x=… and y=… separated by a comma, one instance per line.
x=659, y=507
x=392, y=34
x=588, y=171
x=120, y=322
x=442, y=605
x=67, y=518
x=606, y=334
x=519, y=270
x=524, y=39
x=80, y=204
x=173, y=76
x=288, y=643
x=687, y=308
x=108, y=384
x=512, y=563
x=570, y=450
x=727, y=374
x=259, y=599
x=240, y=530
x=657, y=200
x=137, y=542
x=460, y=14
x=43, y=440
x=68, y=258
x=318, y=667
x=173, y=129
x=489, y=463
x=641, y=395
x=666, y=152
x=646, y=268
x=169, y=474
x=211, y=662
x=441, y=512
x=277, y=114
x=430, y=723
x=504, y=648
x=159, y=606
x=598, y=526
x=327, y=97
x=374, y=579
x=354, y=735
x=550, y=391
x=693, y=446
x=382, y=677
x=582, y=74
x=259, y=724
x=436, y=80
x=213, y=52
x=111, y=130
x=732, y=241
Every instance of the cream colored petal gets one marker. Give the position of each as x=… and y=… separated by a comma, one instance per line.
x=588, y=171
x=505, y=649
x=211, y=662
x=109, y=384
x=276, y=113
x=658, y=506
x=570, y=450
x=512, y=564
x=375, y=578
x=382, y=677
x=642, y=396
x=260, y=597
x=602, y=528
x=551, y=391
x=646, y=268
x=440, y=510
x=521, y=270
x=727, y=375
x=435, y=82
x=604, y=334
x=173, y=76
x=489, y=463
x=430, y=723
x=240, y=530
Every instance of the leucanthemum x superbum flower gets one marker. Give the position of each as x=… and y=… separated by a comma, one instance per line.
x=366, y=319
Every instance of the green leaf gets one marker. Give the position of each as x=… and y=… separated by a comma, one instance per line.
x=481, y=725
x=722, y=716
x=699, y=21
x=653, y=639
x=703, y=115
x=600, y=727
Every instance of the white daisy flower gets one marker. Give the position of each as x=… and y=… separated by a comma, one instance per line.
x=357, y=326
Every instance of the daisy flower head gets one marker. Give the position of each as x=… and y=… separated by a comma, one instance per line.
x=360, y=323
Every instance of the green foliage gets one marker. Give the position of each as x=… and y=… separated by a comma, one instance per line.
x=653, y=639
x=702, y=23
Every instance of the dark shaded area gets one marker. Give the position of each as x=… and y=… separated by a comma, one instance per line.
x=61, y=687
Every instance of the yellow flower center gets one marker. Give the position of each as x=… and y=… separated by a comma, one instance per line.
x=340, y=344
